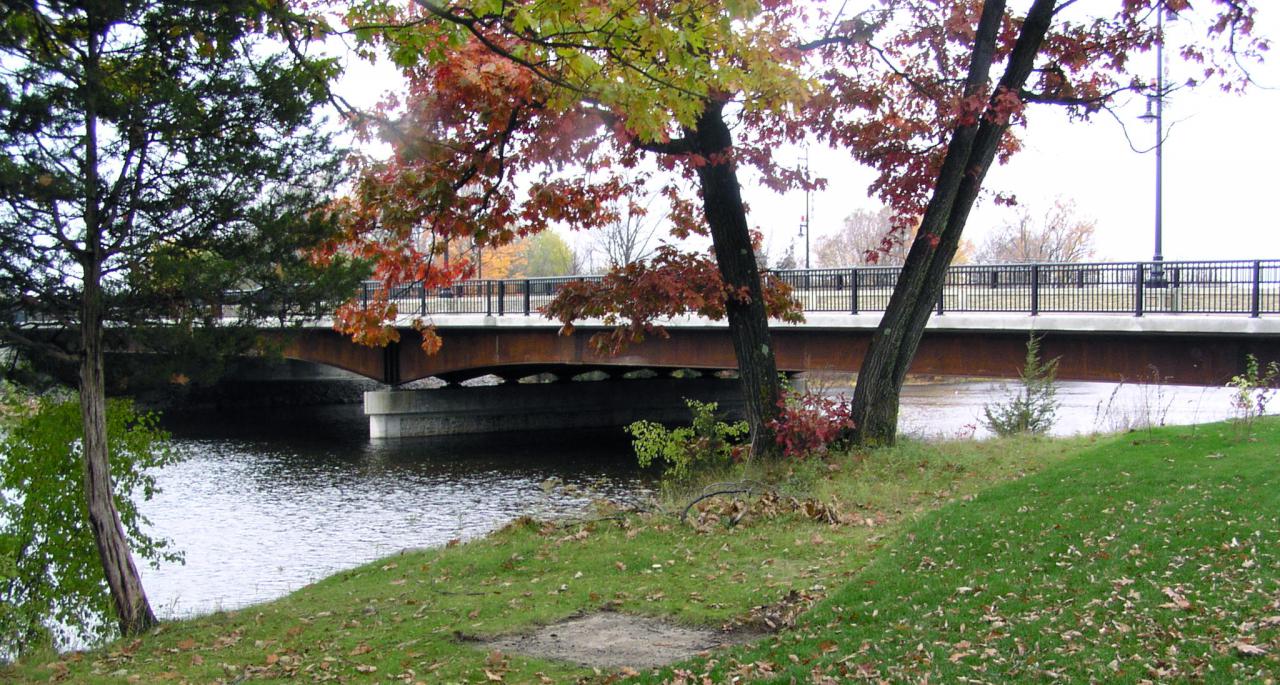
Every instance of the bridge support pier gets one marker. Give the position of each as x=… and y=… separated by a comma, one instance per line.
x=513, y=407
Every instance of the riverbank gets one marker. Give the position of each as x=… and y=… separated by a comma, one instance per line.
x=1145, y=555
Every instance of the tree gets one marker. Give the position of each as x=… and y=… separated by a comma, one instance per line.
x=547, y=254
x=155, y=153
x=504, y=90
x=520, y=115
x=626, y=239
x=864, y=236
x=928, y=118
x=53, y=583
x=1059, y=236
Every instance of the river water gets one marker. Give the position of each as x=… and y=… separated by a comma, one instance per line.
x=267, y=502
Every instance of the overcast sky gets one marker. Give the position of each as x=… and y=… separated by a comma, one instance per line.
x=1221, y=184
x=1221, y=173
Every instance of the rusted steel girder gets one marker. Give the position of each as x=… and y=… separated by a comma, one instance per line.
x=1191, y=359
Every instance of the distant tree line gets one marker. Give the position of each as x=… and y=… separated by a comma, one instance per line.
x=1058, y=234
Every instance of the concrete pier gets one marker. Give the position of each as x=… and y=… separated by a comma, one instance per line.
x=513, y=407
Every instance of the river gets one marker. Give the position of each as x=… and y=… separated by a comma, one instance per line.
x=267, y=502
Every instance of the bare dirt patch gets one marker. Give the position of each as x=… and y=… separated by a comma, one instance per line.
x=614, y=640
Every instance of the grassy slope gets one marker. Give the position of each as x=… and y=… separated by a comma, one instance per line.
x=404, y=614
x=1063, y=572
x=1152, y=559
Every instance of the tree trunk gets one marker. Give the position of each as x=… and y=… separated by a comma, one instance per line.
x=735, y=257
x=970, y=154
x=133, y=611
x=132, y=608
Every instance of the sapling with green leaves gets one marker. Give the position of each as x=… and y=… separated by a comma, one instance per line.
x=53, y=591
x=706, y=444
x=1252, y=391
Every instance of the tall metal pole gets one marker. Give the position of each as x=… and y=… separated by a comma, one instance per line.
x=1157, y=272
x=808, y=207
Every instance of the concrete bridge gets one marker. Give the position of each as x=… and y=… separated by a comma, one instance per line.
x=1184, y=322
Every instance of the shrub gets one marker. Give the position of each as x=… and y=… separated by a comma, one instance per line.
x=1033, y=407
x=809, y=423
x=706, y=444
x=51, y=581
x=1253, y=389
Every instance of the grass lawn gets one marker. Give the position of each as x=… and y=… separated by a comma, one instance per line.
x=1146, y=556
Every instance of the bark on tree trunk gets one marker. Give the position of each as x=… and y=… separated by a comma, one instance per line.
x=735, y=257
x=970, y=154
x=132, y=608
x=133, y=611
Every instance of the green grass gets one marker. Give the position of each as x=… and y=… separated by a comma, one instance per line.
x=1003, y=560
x=1150, y=560
x=412, y=613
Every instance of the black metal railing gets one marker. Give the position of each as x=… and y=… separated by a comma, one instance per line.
x=1248, y=288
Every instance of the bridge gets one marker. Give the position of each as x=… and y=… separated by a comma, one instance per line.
x=1183, y=322
x=1189, y=322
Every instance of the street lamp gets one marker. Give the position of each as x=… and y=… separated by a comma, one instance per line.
x=1157, y=270
x=805, y=226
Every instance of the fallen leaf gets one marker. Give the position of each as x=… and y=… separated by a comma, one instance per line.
x=1246, y=649
x=1177, y=601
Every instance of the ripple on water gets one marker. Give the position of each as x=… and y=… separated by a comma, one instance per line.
x=260, y=515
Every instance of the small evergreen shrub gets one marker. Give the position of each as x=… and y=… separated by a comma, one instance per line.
x=1033, y=407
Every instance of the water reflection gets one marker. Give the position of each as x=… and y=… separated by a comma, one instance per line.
x=280, y=501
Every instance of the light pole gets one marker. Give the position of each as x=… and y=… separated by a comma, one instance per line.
x=805, y=226
x=1157, y=270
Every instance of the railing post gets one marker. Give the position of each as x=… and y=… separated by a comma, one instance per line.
x=364, y=294
x=853, y=291
x=1035, y=290
x=526, y=297
x=502, y=298
x=1138, y=295
x=1255, y=297
x=488, y=298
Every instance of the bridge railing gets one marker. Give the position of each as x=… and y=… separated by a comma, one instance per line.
x=1249, y=288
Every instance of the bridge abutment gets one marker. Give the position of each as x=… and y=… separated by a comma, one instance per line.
x=516, y=407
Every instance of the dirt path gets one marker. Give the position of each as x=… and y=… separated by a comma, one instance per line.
x=614, y=640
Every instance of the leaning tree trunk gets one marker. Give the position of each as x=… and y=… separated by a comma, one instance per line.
x=735, y=257
x=133, y=611
x=132, y=608
x=970, y=154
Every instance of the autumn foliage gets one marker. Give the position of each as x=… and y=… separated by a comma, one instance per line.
x=633, y=299
x=524, y=114
x=809, y=423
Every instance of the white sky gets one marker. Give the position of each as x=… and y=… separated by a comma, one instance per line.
x=1221, y=183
